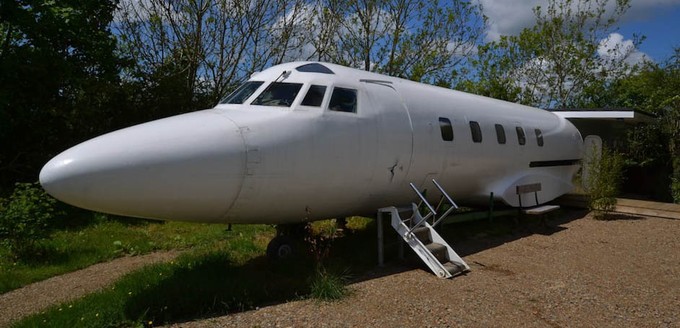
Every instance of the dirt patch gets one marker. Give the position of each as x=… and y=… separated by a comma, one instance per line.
x=36, y=297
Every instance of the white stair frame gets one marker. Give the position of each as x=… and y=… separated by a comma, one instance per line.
x=406, y=233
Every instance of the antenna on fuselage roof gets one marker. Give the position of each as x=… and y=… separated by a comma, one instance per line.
x=284, y=74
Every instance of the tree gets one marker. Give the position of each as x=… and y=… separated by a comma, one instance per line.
x=569, y=51
x=57, y=71
x=191, y=53
x=426, y=41
x=654, y=88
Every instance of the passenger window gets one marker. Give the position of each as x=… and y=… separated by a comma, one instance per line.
x=500, y=134
x=521, y=138
x=446, y=129
x=539, y=137
x=343, y=100
x=242, y=93
x=476, y=131
x=314, y=96
x=278, y=94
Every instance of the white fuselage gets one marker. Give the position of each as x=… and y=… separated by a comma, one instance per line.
x=256, y=160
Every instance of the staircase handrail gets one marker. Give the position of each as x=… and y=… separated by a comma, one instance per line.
x=416, y=212
x=453, y=204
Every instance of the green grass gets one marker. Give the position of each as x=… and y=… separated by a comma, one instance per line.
x=74, y=248
x=328, y=286
x=225, y=276
x=226, y=272
x=229, y=276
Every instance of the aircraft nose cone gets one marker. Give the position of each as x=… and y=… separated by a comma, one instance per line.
x=187, y=167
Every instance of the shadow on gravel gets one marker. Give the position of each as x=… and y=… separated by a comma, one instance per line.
x=213, y=286
x=466, y=238
x=622, y=217
x=472, y=237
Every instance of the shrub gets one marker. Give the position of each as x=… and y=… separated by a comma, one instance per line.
x=25, y=219
x=604, y=181
x=675, y=189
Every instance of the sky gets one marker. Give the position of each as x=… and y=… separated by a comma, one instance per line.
x=657, y=20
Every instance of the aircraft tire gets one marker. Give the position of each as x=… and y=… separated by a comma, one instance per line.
x=281, y=248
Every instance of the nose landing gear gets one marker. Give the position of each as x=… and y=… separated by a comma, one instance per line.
x=288, y=241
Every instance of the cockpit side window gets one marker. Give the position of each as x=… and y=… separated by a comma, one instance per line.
x=278, y=94
x=343, y=100
x=242, y=93
x=314, y=96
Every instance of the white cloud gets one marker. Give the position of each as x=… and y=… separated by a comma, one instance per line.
x=615, y=48
x=461, y=49
x=509, y=17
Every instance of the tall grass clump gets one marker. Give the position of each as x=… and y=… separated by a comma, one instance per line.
x=325, y=285
x=328, y=286
x=604, y=181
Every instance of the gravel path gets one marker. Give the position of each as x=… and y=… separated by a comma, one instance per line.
x=586, y=273
x=36, y=297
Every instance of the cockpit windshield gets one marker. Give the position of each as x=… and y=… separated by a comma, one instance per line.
x=242, y=93
x=278, y=94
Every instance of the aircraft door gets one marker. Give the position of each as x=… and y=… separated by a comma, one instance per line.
x=395, y=137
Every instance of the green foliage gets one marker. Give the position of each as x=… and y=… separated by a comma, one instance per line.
x=604, y=181
x=556, y=63
x=646, y=145
x=319, y=239
x=59, y=74
x=426, y=41
x=327, y=286
x=25, y=219
x=675, y=189
x=654, y=88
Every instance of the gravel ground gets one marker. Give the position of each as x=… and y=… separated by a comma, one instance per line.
x=36, y=297
x=579, y=273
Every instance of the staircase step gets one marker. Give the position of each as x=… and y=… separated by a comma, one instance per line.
x=439, y=251
x=423, y=234
x=454, y=268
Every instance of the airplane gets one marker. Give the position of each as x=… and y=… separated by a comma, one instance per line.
x=306, y=141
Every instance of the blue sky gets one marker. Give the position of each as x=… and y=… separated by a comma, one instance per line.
x=662, y=29
x=658, y=20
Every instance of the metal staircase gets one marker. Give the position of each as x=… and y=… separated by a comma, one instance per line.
x=420, y=235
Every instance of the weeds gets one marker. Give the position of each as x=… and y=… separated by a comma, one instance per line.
x=326, y=286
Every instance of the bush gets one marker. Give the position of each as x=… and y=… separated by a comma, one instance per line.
x=25, y=219
x=675, y=189
x=604, y=182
